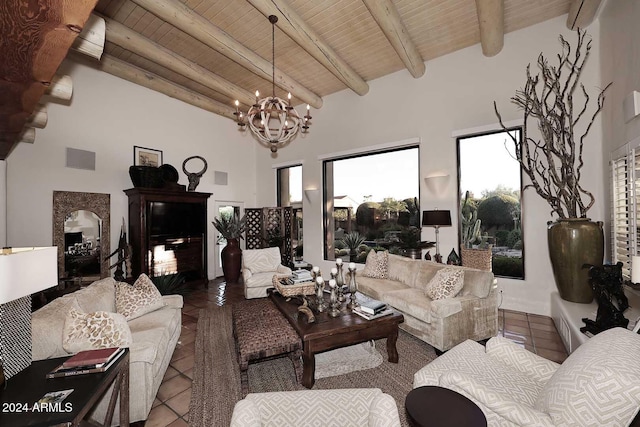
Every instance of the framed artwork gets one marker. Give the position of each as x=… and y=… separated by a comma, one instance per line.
x=143, y=156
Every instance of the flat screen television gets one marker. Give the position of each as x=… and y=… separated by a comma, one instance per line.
x=176, y=219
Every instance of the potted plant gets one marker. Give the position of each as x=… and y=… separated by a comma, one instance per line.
x=476, y=250
x=353, y=241
x=554, y=161
x=231, y=228
x=411, y=244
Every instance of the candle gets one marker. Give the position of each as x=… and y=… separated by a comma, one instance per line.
x=332, y=283
x=319, y=280
x=339, y=261
x=316, y=268
x=352, y=266
x=334, y=271
x=635, y=269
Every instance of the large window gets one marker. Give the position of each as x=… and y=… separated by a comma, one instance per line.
x=289, y=184
x=490, y=180
x=371, y=201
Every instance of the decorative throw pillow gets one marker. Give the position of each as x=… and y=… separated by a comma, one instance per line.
x=141, y=298
x=100, y=329
x=446, y=283
x=376, y=265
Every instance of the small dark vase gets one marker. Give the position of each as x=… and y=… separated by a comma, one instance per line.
x=231, y=261
x=573, y=244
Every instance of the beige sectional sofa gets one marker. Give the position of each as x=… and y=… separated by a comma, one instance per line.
x=472, y=314
x=154, y=337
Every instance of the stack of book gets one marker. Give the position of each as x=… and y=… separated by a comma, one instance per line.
x=88, y=362
x=299, y=276
x=372, y=309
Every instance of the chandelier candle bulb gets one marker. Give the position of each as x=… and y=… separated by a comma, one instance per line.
x=334, y=271
x=338, y=261
x=352, y=266
x=635, y=269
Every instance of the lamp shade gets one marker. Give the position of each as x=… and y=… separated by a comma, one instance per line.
x=25, y=271
x=436, y=218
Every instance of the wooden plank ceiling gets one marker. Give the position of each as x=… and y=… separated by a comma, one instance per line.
x=211, y=52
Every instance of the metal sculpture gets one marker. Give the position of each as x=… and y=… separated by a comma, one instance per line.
x=194, y=178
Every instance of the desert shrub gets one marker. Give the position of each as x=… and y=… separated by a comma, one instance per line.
x=514, y=237
x=518, y=245
x=505, y=266
x=339, y=244
x=366, y=213
x=497, y=211
x=502, y=237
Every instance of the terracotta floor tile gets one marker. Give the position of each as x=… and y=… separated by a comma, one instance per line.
x=516, y=329
x=184, y=364
x=516, y=322
x=549, y=327
x=515, y=315
x=170, y=373
x=553, y=344
x=178, y=423
x=549, y=335
x=189, y=373
x=536, y=318
x=180, y=403
x=173, y=387
x=524, y=339
x=155, y=403
x=160, y=416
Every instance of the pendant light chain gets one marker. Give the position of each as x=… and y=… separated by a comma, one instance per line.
x=273, y=55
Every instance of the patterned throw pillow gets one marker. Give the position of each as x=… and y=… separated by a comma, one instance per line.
x=446, y=283
x=376, y=265
x=141, y=298
x=100, y=329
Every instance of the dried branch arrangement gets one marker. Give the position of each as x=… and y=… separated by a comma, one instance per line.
x=554, y=163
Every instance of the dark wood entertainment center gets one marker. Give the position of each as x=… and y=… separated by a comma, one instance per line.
x=176, y=220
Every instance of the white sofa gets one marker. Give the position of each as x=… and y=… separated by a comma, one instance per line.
x=597, y=385
x=472, y=314
x=154, y=337
x=258, y=268
x=305, y=408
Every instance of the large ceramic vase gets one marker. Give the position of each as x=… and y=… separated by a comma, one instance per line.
x=574, y=243
x=231, y=260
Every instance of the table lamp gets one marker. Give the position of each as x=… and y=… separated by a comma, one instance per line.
x=23, y=271
x=436, y=219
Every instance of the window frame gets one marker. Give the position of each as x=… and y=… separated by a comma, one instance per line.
x=370, y=151
x=459, y=137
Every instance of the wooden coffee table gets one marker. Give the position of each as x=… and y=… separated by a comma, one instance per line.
x=328, y=333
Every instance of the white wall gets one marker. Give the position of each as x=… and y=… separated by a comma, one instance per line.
x=109, y=115
x=456, y=92
x=620, y=64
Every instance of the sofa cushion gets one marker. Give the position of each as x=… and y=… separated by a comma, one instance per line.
x=403, y=269
x=378, y=288
x=599, y=384
x=426, y=272
x=261, y=260
x=98, y=296
x=477, y=282
x=259, y=280
x=446, y=283
x=141, y=298
x=376, y=264
x=100, y=329
x=411, y=301
x=152, y=334
x=47, y=325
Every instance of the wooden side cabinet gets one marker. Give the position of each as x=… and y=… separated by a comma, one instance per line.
x=168, y=233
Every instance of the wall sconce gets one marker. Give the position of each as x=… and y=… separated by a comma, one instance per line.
x=310, y=193
x=437, y=183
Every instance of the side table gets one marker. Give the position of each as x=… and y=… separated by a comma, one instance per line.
x=432, y=406
x=24, y=389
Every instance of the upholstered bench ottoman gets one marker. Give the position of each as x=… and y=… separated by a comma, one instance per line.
x=262, y=332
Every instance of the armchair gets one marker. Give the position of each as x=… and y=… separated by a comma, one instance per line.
x=357, y=407
x=598, y=384
x=258, y=268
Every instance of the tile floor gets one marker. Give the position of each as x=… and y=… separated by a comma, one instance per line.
x=171, y=407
